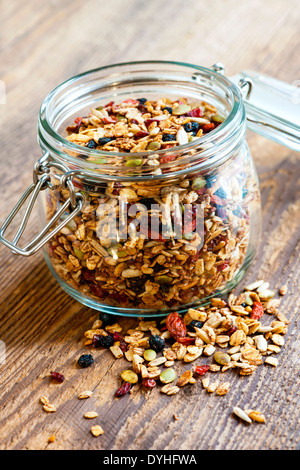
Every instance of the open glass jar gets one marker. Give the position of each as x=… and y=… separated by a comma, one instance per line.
x=160, y=231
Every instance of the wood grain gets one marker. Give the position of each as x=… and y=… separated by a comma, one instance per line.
x=42, y=44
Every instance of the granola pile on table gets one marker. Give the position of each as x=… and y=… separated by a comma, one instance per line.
x=153, y=270
x=225, y=335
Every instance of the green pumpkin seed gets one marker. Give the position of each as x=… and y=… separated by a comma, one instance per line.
x=181, y=109
x=217, y=118
x=198, y=183
x=154, y=145
x=134, y=162
x=167, y=376
x=78, y=253
x=164, y=280
x=222, y=358
x=129, y=376
x=149, y=354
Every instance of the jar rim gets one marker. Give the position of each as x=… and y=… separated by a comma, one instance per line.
x=50, y=139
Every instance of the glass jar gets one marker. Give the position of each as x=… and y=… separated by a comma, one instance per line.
x=144, y=233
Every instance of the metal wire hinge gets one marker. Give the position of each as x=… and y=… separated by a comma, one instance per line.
x=42, y=181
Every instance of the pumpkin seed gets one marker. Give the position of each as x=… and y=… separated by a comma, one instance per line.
x=181, y=109
x=221, y=358
x=134, y=162
x=198, y=183
x=78, y=253
x=164, y=280
x=129, y=376
x=154, y=145
x=217, y=118
x=149, y=354
x=167, y=376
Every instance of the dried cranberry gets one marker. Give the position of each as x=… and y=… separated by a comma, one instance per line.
x=120, y=339
x=149, y=383
x=88, y=275
x=187, y=341
x=197, y=112
x=231, y=330
x=125, y=388
x=97, y=291
x=167, y=158
x=201, y=370
x=57, y=377
x=141, y=134
x=223, y=266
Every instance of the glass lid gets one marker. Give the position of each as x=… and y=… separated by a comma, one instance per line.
x=272, y=107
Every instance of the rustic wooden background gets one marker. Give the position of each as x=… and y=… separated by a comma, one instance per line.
x=42, y=44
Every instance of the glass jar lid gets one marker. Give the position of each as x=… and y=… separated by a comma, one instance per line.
x=272, y=108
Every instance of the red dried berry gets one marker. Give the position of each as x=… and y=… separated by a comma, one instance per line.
x=223, y=266
x=201, y=370
x=167, y=158
x=197, y=112
x=187, y=341
x=149, y=383
x=57, y=377
x=208, y=127
x=125, y=387
x=97, y=291
x=120, y=339
x=131, y=102
x=141, y=134
x=231, y=330
x=257, y=311
x=218, y=200
x=176, y=326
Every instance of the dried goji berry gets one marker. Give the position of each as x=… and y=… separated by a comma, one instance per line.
x=257, y=311
x=208, y=127
x=125, y=387
x=149, y=383
x=201, y=370
x=167, y=158
x=176, y=325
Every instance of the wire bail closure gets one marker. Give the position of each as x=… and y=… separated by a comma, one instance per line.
x=42, y=181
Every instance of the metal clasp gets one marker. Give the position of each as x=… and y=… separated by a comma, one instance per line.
x=41, y=181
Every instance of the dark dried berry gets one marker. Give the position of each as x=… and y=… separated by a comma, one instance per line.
x=57, y=377
x=107, y=319
x=91, y=144
x=221, y=193
x=142, y=100
x=103, y=341
x=85, y=360
x=168, y=108
x=148, y=202
x=104, y=140
x=193, y=324
x=125, y=388
x=192, y=127
x=168, y=137
x=210, y=180
x=157, y=343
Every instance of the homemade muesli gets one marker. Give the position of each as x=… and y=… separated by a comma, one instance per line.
x=153, y=244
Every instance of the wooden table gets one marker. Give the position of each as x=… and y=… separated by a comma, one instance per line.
x=42, y=44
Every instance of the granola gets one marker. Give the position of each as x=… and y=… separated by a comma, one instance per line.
x=154, y=244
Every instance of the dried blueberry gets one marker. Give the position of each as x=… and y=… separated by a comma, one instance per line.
x=157, y=343
x=168, y=108
x=193, y=324
x=192, y=127
x=104, y=140
x=210, y=180
x=142, y=100
x=103, y=341
x=91, y=144
x=221, y=193
x=107, y=319
x=168, y=137
x=85, y=360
